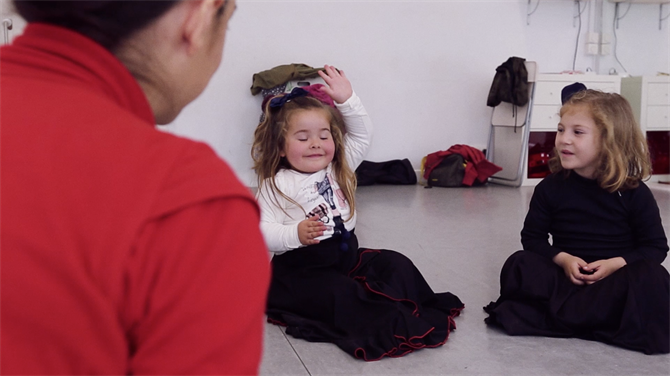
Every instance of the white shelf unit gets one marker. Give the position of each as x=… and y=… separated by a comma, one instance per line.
x=650, y=98
x=546, y=105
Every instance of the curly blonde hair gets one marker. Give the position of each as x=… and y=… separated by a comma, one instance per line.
x=270, y=140
x=624, y=155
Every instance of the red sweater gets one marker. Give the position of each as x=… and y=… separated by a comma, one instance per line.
x=125, y=250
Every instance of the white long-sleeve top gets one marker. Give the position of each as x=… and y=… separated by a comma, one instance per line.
x=317, y=193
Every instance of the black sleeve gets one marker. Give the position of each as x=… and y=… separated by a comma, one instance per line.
x=536, y=226
x=645, y=221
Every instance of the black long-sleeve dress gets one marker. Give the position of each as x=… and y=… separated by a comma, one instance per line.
x=371, y=303
x=629, y=308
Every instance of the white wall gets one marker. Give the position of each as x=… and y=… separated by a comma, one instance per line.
x=422, y=68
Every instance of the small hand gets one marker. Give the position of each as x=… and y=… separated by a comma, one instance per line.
x=310, y=229
x=602, y=269
x=338, y=86
x=571, y=266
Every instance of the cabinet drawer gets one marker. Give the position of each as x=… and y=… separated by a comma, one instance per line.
x=607, y=87
x=545, y=117
x=549, y=92
x=658, y=94
x=658, y=117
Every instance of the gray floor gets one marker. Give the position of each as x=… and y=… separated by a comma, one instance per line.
x=459, y=239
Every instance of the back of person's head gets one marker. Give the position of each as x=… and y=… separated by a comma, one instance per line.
x=624, y=155
x=270, y=140
x=108, y=22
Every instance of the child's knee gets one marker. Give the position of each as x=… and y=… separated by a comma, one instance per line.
x=523, y=260
x=656, y=274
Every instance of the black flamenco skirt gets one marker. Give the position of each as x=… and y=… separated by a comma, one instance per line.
x=371, y=303
x=630, y=308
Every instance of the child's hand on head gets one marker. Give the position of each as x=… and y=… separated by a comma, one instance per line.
x=338, y=86
x=602, y=268
x=310, y=229
x=571, y=266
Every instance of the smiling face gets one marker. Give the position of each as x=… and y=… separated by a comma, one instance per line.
x=578, y=142
x=309, y=145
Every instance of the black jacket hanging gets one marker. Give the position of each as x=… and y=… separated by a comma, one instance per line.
x=510, y=84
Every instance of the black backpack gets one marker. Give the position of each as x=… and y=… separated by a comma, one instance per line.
x=449, y=173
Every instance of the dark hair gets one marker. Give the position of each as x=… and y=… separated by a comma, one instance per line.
x=107, y=22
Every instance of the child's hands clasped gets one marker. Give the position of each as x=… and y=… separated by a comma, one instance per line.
x=581, y=273
x=338, y=86
x=310, y=229
x=571, y=265
x=601, y=269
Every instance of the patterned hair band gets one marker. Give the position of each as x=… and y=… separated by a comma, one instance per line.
x=280, y=101
x=313, y=91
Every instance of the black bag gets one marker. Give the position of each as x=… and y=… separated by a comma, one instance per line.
x=397, y=171
x=449, y=173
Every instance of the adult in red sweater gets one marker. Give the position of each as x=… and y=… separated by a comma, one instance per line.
x=125, y=250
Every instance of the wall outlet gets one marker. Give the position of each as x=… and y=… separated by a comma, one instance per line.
x=592, y=49
x=605, y=49
x=607, y=38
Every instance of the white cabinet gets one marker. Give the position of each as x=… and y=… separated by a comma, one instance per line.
x=650, y=98
x=544, y=117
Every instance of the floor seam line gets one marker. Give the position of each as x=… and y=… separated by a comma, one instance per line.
x=295, y=352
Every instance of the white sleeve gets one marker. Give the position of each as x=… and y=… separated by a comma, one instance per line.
x=358, y=138
x=278, y=236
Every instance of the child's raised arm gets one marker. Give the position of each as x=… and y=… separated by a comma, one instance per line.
x=356, y=120
x=338, y=86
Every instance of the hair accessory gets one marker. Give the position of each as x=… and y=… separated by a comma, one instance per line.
x=279, y=101
x=315, y=91
x=570, y=90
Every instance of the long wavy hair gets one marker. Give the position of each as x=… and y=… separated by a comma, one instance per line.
x=624, y=155
x=270, y=140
